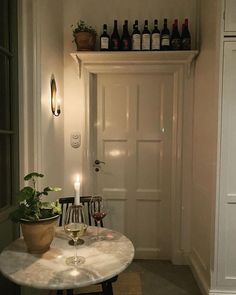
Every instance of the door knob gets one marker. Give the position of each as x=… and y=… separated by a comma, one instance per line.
x=98, y=162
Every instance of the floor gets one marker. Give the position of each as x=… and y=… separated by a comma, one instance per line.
x=162, y=278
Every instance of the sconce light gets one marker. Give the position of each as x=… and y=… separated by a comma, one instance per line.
x=55, y=101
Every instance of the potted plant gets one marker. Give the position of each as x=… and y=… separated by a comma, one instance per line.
x=84, y=36
x=37, y=218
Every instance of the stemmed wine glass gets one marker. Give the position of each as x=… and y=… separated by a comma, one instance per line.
x=74, y=227
x=98, y=210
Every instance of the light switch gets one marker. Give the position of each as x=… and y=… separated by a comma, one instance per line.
x=75, y=140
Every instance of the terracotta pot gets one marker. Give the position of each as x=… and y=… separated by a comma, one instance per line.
x=38, y=235
x=85, y=41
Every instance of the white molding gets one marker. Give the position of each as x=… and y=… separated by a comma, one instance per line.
x=199, y=271
x=215, y=234
x=117, y=59
x=98, y=62
x=23, y=90
x=121, y=57
x=37, y=87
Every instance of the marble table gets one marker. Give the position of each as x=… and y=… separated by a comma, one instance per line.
x=104, y=259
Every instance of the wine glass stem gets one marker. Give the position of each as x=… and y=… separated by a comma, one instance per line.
x=75, y=246
x=98, y=225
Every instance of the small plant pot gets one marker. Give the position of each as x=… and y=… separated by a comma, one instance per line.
x=38, y=235
x=85, y=41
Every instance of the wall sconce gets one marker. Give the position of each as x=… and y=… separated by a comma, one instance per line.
x=55, y=101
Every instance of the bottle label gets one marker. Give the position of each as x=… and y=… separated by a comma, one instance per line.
x=176, y=44
x=136, y=42
x=146, y=42
x=115, y=44
x=186, y=44
x=104, y=43
x=125, y=44
x=155, y=41
x=165, y=40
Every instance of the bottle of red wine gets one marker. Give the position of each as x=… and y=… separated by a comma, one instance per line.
x=115, y=38
x=155, y=40
x=185, y=36
x=104, y=39
x=136, y=37
x=165, y=37
x=175, y=37
x=146, y=37
x=125, y=38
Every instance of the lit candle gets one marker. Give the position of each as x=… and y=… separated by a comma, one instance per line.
x=77, y=191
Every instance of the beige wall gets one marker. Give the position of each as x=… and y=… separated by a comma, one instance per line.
x=96, y=13
x=205, y=141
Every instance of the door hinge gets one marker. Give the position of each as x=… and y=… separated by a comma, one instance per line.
x=224, y=15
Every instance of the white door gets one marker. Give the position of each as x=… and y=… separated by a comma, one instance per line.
x=227, y=202
x=134, y=138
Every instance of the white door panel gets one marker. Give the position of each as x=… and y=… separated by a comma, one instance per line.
x=134, y=138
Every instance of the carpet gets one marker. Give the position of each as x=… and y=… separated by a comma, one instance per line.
x=128, y=283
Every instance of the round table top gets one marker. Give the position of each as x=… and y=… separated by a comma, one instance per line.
x=103, y=260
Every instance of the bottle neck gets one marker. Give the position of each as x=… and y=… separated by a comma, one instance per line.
x=115, y=30
x=165, y=23
x=186, y=23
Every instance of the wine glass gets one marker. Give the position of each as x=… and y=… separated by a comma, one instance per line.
x=74, y=227
x=98, y=210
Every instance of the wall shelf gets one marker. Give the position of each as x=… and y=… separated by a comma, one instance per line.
x=122, y=58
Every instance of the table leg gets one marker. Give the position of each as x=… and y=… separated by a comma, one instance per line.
x=107, y=288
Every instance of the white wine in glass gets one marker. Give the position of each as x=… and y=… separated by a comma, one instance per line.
x=74, y=228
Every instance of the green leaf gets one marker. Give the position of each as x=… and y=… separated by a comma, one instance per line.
x=51, y=189
x=25, y=193
x=33, y=174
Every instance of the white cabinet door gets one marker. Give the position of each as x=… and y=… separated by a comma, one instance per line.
x=134, y=139
x=227, y=213
x=230, y=16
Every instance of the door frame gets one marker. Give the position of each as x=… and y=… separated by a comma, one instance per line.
x=89, y=72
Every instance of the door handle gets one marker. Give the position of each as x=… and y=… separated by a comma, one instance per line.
x=98, y=162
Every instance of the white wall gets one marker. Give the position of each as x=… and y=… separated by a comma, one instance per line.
x=96, y=13
x=205, y=142
x=48, y=151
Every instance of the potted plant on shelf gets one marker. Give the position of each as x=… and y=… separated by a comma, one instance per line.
x=84, y=36
x=37, y=218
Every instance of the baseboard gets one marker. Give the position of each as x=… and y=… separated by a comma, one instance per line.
x=199, y=273
x=220, y=292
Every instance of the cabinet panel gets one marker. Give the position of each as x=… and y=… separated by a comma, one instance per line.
x=230, y=16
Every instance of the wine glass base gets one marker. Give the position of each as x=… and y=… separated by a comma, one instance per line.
x=73, y=261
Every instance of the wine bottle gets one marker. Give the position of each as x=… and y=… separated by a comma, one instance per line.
x=115, y=38
x=146, y=38
x=104, y=39
x=155, y=40
x=136, y=37
x=185, y=36
x=175, y=37
x=125, y=38
x=165, y=37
